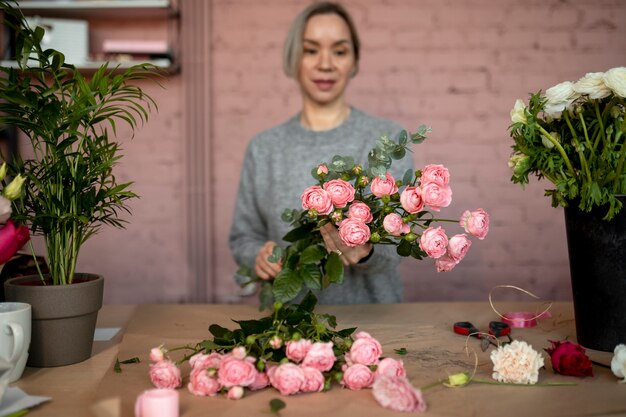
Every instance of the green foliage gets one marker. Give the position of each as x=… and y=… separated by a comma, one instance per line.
x=70, y=189
x=581, y=152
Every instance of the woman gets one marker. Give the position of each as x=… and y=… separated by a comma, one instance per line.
x=321, y=53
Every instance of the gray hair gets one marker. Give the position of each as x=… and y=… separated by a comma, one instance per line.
x=292, y=50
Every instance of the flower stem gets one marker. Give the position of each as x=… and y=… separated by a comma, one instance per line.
x=581, y=154
x=558, y=146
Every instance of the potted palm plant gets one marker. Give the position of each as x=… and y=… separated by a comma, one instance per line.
x=70, y=190
x=574, y=135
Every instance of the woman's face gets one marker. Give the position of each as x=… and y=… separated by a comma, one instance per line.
x=327, y=59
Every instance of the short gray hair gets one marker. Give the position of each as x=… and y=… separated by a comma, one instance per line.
x=292, y=50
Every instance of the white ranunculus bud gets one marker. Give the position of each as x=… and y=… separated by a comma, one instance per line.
x=615, y=79
x=5, y=209
x=592, y=84
x=518, y=114
x=559, y=98
x=547, y=142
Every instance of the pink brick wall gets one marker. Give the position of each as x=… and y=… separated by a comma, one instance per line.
x=457, y=66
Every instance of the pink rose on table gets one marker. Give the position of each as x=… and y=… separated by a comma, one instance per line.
x=445, y=263
x=365, y=350
x=296, y=350
x=569, y=359
x=381, y=187
x=397, y=393
x=320, y=356
x=436, y=196
x=353, y=232
x=235, y=393
x=390, y=367
x=341, y=192
x=157, y=354
x=411, y=199
x=165, y=374
x=201, y=383
x=434, y=242
x=475, y=222
x=357, y=376
x=361, y=211
x=435, y=173
x=394, y=225
x=202, y=361
x=313, y=380
x=287, y=378
x=318, y=199
x=234, y=372
x=276, y=342
x=458, y=245
x=261, y=381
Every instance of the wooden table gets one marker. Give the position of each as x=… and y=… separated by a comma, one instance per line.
x=424, y=329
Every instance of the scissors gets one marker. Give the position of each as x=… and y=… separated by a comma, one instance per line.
x=496, y=329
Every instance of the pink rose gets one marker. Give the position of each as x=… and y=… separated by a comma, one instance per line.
x=157, y=354
x=353, y=232
x=411, y=199
x=276, y=342
x=287, y=378
x=201, y=383
x=318, y=199
x=390, y=367
x=382, y=187
x=296, y=350
x=320, y=356
x=341, y=192
x=202, y=361
x=12, y=239
x=165, y=374
x=313, y=380
x=458, y=245
x=357, y=376
x=235, y=393
x=261, y=381
x=360, y=210
x=436, y=196
x=365, y=350
x=435, y=173
x=569, y=359
x=475, y=222
x=397, y=393
x=236, y=372
x=434, y=242
x=238, y=353
x=394, y=225
x=322, y=169
x=445, y=263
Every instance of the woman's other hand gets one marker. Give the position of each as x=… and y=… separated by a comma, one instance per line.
x=263, y=268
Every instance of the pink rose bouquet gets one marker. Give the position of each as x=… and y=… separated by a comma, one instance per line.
x=369, y=205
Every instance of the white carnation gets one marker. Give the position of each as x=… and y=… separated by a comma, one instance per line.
x=518, y=114
x=5, y=209
x=618, y=363
x=516, y=362
x=559, y=98
x=592, y=84
x=615, y=79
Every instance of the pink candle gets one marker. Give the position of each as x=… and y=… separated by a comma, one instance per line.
x=161, y=402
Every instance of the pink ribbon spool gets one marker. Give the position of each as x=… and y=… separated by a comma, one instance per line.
x=523, y=318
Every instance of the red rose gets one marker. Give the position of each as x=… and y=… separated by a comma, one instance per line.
x=569, y=359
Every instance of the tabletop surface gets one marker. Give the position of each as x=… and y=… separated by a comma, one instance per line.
x=92, y=388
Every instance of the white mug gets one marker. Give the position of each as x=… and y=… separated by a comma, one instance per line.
x=15, y=325
x=159, y=402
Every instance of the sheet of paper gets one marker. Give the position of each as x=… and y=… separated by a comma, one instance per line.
x=15, y=400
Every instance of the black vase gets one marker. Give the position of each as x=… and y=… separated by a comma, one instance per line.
x=597, y=259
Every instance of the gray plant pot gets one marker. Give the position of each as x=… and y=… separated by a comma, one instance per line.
x=64, y=317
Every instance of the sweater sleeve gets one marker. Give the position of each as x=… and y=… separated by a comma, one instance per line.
x=248, y=231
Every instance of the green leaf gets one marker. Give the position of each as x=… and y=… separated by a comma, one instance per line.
x=402, y=351
x=398, y=153
x=209, y=345
x=276, y=405
x=277, y=254
x=117, y=367
x=299, y=232
x=312, y=254
x=311, y=276
x=255, y=326
x=287, y=285
x=404, y=248
x=334, y=269
x=266, y=296
x=403, y=137
x=217, y=330
x=131, y=360
x=308, y=303
x=408, y=177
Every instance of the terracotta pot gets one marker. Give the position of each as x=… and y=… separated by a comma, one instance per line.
x=64, y=317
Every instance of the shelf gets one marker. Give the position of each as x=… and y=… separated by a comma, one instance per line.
x=89, y=66
x=104, y=8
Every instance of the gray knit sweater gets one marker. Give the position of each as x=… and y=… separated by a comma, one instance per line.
x=277, y=168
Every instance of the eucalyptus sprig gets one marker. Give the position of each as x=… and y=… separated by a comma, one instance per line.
x=574, y=136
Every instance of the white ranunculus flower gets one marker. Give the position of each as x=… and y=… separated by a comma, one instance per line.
x=618, y=363
x=5, y=209
x=517, y=363
x=615, y=79
x=559, y=98
x=518, y=114
x=592, y=84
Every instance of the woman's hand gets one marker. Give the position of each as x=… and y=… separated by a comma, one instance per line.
x=263, y=268
x=348, y=255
